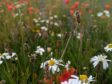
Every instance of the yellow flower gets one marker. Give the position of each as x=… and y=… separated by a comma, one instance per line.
x=83, y=77
x=51, y=62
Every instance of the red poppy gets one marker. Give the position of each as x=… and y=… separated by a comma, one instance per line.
x=10, y=7
x=30, y=10
x=67, y=1
x=67, y=74
x=71, y=12
x=107, y=6
x=73, y=7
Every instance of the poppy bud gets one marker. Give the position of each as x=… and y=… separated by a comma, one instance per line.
x=78, y=17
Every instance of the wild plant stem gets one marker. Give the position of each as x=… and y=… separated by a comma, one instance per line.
x=66, y=45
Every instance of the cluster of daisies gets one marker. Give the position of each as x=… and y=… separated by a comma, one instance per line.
x=8, y=56
x=68, y=74
x=48, y=26
x=51, y=20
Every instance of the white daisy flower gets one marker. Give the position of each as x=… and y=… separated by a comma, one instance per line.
x=56, y=24
x=7, y=55
x=39, y=50
x=108, y=48
x=100, y=58
x=83, y=79
x=107, y=13
x=104, y=13
x=13, y=54
x=73, y=80
x=35, y=20
x=59, y=35
x=42, y=21
x=51, y=18
x=44, y=28
x=55, y=16
x=47, y=21
x=90, y=79
x=53, y=65
x=99, y=14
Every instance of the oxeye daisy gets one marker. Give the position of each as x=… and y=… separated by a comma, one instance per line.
x=53, y=65
x=39, y=50
x=99, y=14
x=72, y=80
x=108, y=48
x=44, y=28
x=8, y=55
x=59, y=35
x=85, y=79
x=105, y=13
x=100, y=58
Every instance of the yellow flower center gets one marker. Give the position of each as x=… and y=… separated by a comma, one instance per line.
x=110, y=45
x=83, y=77
x=51, y=62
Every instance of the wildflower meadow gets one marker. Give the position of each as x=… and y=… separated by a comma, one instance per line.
x=55, y=41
